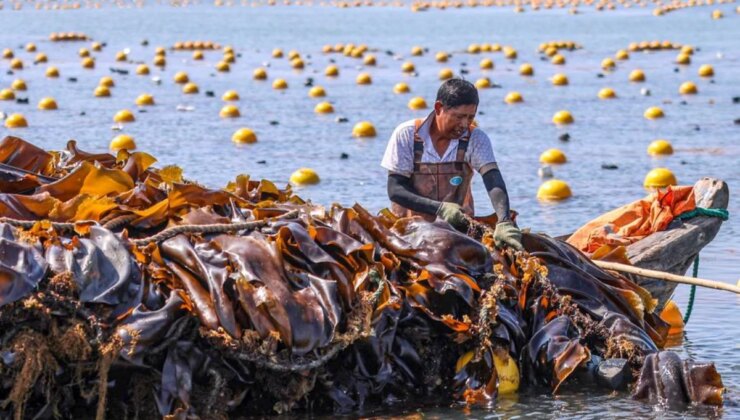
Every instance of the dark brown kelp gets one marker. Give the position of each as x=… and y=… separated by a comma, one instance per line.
x=127, y=290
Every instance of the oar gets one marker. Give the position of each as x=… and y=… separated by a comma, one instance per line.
x=712, y=284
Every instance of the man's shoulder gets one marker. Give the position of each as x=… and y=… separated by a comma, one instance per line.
x=405, y=128
x=478, y=134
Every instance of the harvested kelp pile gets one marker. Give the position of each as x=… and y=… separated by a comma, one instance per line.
x=128, y=291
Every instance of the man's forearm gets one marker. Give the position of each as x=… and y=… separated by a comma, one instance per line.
x=496, y=188
x=400, y=191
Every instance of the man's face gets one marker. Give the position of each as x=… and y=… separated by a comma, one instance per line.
x=452, y=122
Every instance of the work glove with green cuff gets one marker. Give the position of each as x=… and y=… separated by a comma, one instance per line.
x=506, y=234
x=452, y=213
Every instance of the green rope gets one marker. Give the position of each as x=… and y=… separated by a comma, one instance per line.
x=692, y=294
x=701, y=211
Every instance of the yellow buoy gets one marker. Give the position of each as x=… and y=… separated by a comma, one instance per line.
x=513, y=97
x=304, y=176
x=159, y=61
x=122, y=141
x=653, y=113
x=559, y=79
x=16, y=64
x=41, y=58
x=417, y=103
x=229, y=58
x=684, y=59
x=408, y=67
x=142, y=69
x=8, y=53
x=223, y=67
x=293, y=54
x=107, y=81
x=190, y=88
x=417, y=50
x=31, y=47
x=364, y=129
x=181, y=77
x=16, y=121
x=660, y=148
x=369, y=60
x=622, y=55
x=510, y=53
x=244, y=136
x=323, y=108
x=553, y=190
x=551, y=51
x=124, y=116
x=553, y=156
x=473, y=49
x=317, y=92
x=7, y=95
x=297, y=63
x=637, y=75
x=486, y=64
x=198, y=55
x=507, y=372
x=279, y=84
x=672, y=315
x=562, y=118
x=229, y=111
x=102, y=91
x=121, y=56
x=608, y=64
x=441, y=57
x=688, y=88
x=96, y=46
x=363, y=79
x=446, y=73
x=83, y=52
x=607, y=93
x=277, y=53
x=401, y=87
x=483, y=83
x=259, y=74
x=706, y=70
x=230, y=95
x=526, y=69
x=717, y=14
x=331, y=71
x=19, y=85
x=47, y=104
x=145, y=99
x=659, y=178
x=557, y=60
x=88, y=63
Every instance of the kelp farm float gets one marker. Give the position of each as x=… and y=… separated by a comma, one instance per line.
x=127, y=291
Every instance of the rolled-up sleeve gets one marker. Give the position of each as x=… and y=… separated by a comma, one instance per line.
x=399, y=154
x=481, y=151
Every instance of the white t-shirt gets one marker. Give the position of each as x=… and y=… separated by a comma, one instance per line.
x=399, y=154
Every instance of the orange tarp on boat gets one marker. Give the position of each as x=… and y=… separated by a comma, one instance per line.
x=634, y=221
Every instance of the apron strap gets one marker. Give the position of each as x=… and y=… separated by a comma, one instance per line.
x=418, y=144
x=462, y=148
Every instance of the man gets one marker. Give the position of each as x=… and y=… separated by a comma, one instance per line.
x=430, y=165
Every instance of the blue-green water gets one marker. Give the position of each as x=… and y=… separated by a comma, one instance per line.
x=706, y=141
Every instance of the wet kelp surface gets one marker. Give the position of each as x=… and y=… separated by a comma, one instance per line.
x=127, y=291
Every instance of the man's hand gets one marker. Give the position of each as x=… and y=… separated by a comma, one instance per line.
x=506, y=234
x=452, y=214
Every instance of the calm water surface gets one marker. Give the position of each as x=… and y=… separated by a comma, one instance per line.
x=707, y=142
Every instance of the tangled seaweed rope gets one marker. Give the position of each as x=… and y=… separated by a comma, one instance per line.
x=723, y=214
x=163, y=235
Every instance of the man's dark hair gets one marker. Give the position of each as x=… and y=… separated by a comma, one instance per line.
x=456, y=92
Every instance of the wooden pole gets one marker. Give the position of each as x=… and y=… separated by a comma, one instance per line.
x=712, y=284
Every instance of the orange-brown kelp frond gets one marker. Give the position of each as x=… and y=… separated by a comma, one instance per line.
x=125, y=287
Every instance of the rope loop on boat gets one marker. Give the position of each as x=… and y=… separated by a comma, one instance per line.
x=692, y=294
